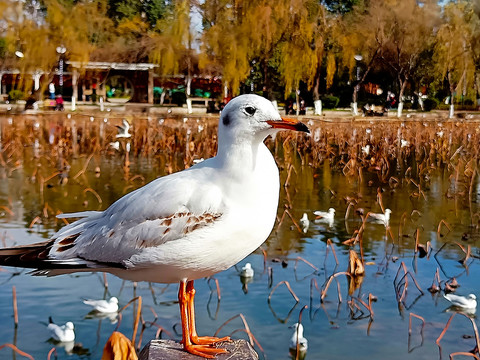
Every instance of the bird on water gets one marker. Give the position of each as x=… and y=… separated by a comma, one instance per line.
x=183, y=226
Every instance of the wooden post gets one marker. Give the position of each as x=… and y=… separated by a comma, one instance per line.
x=74, y=88
x=150, y=86
x=75, y=84
x=172, y=350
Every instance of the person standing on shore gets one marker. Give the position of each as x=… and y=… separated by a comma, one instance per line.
x=51, y=90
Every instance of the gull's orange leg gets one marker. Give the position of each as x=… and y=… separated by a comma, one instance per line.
x=199, y=350
x=201, y=340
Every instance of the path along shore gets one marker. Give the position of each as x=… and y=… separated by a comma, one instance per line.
x=141, y=109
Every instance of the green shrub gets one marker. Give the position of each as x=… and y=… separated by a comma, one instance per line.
x=15, y=95
x=430, y=104
x=330, y=102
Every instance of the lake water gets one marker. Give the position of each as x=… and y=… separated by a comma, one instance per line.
x=335, y=330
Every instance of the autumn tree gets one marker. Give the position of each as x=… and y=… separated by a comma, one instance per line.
x=454, y=55
x=356, y=38
x=405, y=31
x=298, y=57
x=28, y=47
x=81, y=27
x=341, y=6
x=225, y=43
x=475, y=42
x=172, y=41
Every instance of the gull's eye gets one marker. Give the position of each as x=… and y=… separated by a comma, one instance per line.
x=250, y=110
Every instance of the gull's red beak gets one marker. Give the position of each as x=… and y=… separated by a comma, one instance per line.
x=289, y=124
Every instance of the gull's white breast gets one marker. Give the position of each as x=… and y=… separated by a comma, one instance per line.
x=248, y=216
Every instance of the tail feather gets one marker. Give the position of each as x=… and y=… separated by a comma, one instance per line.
x=34, y=256
x=28, y=256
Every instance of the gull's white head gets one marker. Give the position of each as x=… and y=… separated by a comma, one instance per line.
x=69, y=325
x=299, y=327
x=472, y=296
x=113, y=299
x=247, y=266
x=331, y=211
x=251, y=118
x=388, y=212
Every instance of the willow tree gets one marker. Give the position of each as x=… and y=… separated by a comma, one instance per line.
x=298, y=59
x=475, y=43
x=263, y=24
x=172, y=41
x=356, y=35
x=80, y=27
x=406, y=30
x=28, y=47
x=225, y=43
x=453, y=55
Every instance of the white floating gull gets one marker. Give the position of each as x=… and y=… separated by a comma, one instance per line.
x=469, y=302
x=304, y=222
x=297, y=337
x=103, y=306
x=325, y=216
x=379, y=218
x=63, y=333
x=247, y=271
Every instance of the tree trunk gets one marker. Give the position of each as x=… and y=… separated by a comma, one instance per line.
x=266, y=80
x=297, y=99
x=403, y=84
x=318, y=107
x=400, y=109
x=477, y=85
x=316, y=94
x=354, y=99
x=452, y=91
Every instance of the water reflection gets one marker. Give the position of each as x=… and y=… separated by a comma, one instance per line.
x=432, y=233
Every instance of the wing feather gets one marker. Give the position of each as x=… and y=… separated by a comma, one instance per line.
x=164, y=210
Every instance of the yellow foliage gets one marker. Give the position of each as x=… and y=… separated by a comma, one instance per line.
x=118, y=347
x=331, y=69
x=454, y=59
x=298, y=59
x=134, y=25
x=172, y=40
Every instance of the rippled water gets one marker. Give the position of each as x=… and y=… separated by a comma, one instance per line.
x=332, y=329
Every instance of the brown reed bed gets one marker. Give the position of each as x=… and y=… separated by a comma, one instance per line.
x=392, y=153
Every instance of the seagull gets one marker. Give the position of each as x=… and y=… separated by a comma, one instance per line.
x=380, y=218
x=467, y=303
x=366, y=149
x=297, y=337
x=247, y=271
x=304, y=222
x=183, y=226
x=103, y=306
x=62, y=333
x=325, y=216
x=123, y=130
x=115, y=145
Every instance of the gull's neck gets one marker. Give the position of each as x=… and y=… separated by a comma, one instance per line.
x=299, y=332
x=239, y=155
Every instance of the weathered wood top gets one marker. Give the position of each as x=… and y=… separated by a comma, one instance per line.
x=172, y=350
